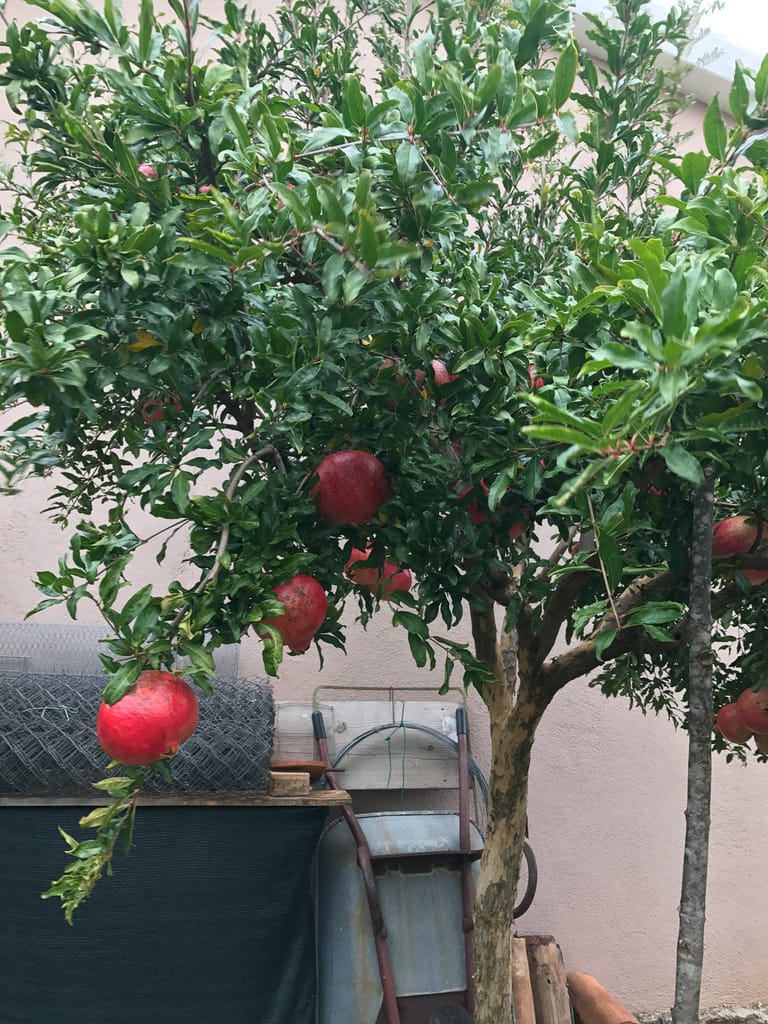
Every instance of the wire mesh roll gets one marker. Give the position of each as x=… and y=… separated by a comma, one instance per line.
x=48, y=742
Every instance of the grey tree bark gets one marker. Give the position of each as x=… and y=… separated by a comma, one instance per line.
x=690, y=943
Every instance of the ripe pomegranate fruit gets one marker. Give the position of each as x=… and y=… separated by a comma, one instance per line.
x=442, y=375
x=752, y=706
x=737, y=536
x=729, y=723
x=152, y=409
x=351, y=487
x=380, y=580
x=148, y=171
x=154, y=716
x=305, y=609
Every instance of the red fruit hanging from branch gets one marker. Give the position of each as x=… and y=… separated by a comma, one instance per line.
x=729, y=723
x=351, y=487
x=150, y=721
x=306, y=607
x=752, y=706
x=382, y=581
x=738, y=536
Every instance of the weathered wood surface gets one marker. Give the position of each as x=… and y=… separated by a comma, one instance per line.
x=394, y=758
x=314, y=798
x=288, y=783
x=520, y=981
x=548, y=981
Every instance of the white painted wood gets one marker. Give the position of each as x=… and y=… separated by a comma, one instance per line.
x=394, y=758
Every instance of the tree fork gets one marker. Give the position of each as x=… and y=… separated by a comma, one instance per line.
x=515, y=706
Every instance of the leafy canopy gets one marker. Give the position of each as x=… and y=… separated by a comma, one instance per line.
x=235, y=246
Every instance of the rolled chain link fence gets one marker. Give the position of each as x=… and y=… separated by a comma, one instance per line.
x=50, y=689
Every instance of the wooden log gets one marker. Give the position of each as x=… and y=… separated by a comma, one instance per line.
x=288, y=783
x=595, y=1004
x=520, y=981
x=551, y=1004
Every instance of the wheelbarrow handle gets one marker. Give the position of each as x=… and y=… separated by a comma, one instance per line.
x=461, y=722
x=318, y=725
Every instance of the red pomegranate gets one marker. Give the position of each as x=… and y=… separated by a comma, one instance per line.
x=752, y=706
x=351, y=487
x=305, y=609
x=380, y=580
x=442, y=374
x=148, y=171
x=154, y=716
x=737, y=536
x=729, y=723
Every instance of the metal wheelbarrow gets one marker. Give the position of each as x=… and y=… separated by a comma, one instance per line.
x=394, y=899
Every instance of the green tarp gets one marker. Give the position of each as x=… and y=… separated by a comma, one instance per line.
x=209, y=921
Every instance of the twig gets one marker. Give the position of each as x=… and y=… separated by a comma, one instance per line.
x=268, y=450
x=443, y=185
x=557, y=554
x=603, y=572
x=335, y=244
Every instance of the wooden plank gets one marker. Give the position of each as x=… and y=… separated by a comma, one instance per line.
x=288, y=783
x=393, y=758
x=550, y=990
x=315, y=798
x=520, y=981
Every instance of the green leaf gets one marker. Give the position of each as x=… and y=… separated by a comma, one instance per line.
x=682, y=463
x=715, y=132
x=272, y=650
x=603, y=641
x=122, y=681
x=419, y=649
x=761, y=83
x=564, y=77
x=656, y=613
x=738, y=98
x=352, y=103
x=447, y=672
x=611, y=558
x=407, y=161
x=413, y=623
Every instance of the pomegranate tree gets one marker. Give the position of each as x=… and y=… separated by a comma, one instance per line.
x=157, y=713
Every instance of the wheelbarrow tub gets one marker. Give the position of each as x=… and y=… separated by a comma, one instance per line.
x=417, y=863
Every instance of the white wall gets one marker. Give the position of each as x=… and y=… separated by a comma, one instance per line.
x=606, y=808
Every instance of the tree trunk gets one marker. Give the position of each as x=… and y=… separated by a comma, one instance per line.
x=690, y=943
x=513, y=725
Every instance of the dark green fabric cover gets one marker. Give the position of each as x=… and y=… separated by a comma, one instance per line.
x=209, y=921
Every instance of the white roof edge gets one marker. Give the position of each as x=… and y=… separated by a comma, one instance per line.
x=703, y=83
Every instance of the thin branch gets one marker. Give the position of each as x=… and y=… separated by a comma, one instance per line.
x=335, y=244
x=608, y=591
x=268, y=451
x=557, y=553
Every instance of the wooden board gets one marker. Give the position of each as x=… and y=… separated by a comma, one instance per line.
x=288, y=783
x=393, y=758
x=314, y=798
x=550, y=990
